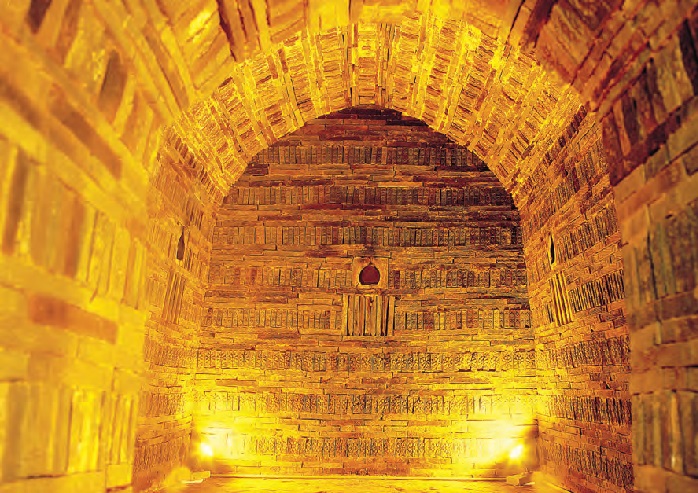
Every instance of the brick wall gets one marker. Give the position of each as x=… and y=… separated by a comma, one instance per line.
x=302, y=370
x=86, y=87
x=572, y=246
x=636, y=62
x=651, y=133
x=179, y=237
x=90, y=287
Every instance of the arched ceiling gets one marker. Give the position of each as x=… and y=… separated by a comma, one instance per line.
x=453, y=66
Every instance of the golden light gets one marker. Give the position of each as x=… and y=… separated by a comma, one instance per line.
x=206, y=450
x=488, y=444
x=516, y=452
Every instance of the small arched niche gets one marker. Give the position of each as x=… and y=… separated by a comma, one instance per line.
x=369, y=275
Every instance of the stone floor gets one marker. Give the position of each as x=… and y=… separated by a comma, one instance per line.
x=353, y=485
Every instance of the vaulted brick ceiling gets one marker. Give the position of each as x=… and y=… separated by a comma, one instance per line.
x=115, y=112
x=457, y=67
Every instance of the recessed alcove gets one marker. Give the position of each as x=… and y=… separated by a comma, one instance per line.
x=369, y=275
x=308, y=372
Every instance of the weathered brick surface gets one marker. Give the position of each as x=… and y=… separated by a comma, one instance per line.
x=89, y=222
x=179, y=249
x=572, y=246
x=92, y=272
x=430, y=372
x=650, y=126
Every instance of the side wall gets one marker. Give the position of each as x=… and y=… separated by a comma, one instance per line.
x=180, y=225
x=303, y=371
x=651, y=133
x=90, y=219
x=572, y=244
x=637, y=62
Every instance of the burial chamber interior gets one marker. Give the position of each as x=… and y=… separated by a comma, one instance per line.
x=127, y=345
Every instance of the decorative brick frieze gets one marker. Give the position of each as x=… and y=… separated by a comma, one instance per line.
x=591, y=409
x=604, y=353
x=447, y=156
x=599, y=292
x=411, y=279
x=455, y=320
x=376, y=236
x=169, y=355
x=314, y=192
x=161, y=454
x=394, y=449
x=588, y=462
x=343, y=405
x=153, y=404
x=270, y=359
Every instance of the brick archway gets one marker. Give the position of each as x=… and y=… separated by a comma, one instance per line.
x=462, y=81
x=95, y=200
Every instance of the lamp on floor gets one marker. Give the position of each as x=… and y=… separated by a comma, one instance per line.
x=200, y=460
x=517, y=456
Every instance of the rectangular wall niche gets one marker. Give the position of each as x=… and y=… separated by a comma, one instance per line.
x=368, y=315
x=561, y=313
